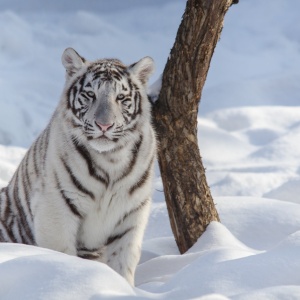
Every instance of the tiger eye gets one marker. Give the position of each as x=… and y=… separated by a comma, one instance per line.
x=91, y=94
x=120, y=97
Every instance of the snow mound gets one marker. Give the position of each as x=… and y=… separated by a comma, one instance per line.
x=253, y=220
x=256, y=153
x=233, y=148
x=225, y=263
x=43, y=274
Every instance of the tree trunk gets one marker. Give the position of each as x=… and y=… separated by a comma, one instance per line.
x=189, y=201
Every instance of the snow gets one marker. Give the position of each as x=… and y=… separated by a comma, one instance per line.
x=248, y=132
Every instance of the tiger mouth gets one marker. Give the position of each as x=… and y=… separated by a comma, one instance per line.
x=106, y=139
x=103, y=137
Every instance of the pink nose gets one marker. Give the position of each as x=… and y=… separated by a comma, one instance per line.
x=104, y=127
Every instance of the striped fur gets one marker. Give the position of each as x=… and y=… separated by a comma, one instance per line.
x=84, y=186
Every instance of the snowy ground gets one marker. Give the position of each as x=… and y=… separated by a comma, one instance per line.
x=249, y=132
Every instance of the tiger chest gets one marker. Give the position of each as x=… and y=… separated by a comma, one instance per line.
x=103, y=215
x=102, y=218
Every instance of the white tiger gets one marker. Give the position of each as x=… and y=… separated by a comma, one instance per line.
x=84, y=186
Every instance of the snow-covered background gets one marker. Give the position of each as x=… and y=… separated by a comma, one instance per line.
x=249, y=136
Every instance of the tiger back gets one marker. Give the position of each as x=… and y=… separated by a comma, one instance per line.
x=84, y=186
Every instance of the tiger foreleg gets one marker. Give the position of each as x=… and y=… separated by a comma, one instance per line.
x=56, y=226
x=123, y=248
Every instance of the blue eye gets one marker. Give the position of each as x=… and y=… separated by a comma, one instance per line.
x=90, y=94
x=121, y=97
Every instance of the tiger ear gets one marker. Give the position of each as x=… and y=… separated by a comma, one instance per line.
x=72, y=61
x=142, y=69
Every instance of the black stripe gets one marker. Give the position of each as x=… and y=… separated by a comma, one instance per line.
x=86, y=253
x=87, y=249
x=81, y=82
x=24, y=226
x=34, y=157
x=97, y=75
x=137, y=98
x=111, y=199
x=85, y=97
x=94, y=67
x=7, y=215
x=126, y=118
x=26, y=161
x=71, y=205
x=26, y=187
x=72, y=101
x=116, y=237
x=130, y=87
x=8, y=202
x=68, y=201
x=46, y=142
x=85, y=154
x=134, y=150
x=23, y=234
x=68, y=96
x=75, y=181
x=21, y=213
x=138, y=107
x=122, y=70
x=116, y=75
x=134, y=210
x=142, y=179
x=90, y=256
x=9, y=233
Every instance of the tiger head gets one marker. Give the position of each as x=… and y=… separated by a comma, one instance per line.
x=106, y=100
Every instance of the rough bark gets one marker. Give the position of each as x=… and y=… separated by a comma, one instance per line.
x=189, y=201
